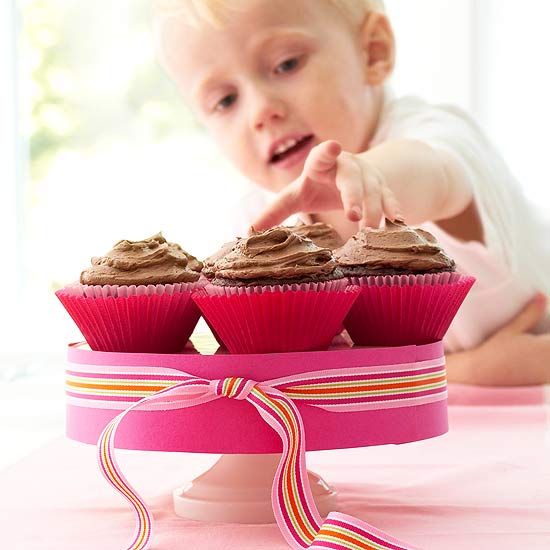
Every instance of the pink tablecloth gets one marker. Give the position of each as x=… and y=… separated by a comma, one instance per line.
x=483, y=486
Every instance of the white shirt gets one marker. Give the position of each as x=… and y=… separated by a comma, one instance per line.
x=514, y=261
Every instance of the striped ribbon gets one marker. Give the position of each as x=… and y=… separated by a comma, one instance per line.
x=343, y=390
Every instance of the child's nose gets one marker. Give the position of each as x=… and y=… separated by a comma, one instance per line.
x=266, y=110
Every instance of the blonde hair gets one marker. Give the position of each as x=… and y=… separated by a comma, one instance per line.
x=216, y=12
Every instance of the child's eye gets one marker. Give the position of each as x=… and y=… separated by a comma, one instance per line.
x=287, y=66
x=225, y=102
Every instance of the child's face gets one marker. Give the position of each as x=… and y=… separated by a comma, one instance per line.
x=273, y=82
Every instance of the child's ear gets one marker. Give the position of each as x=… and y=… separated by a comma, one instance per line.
x=378, y=44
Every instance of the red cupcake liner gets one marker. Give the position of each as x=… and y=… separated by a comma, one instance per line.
x=271, y=319
x=404, y=310
x=133, y=319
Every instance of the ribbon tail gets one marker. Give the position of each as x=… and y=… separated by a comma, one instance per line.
x=343, y=532
x=110, y=469
x=293, y=504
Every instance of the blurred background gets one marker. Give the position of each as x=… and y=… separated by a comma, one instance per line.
x=96, y=144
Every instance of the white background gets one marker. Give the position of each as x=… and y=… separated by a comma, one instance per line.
x=488, y=56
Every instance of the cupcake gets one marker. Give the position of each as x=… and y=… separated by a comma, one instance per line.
x=410, y=289
x=272, y=293
x=136, y=298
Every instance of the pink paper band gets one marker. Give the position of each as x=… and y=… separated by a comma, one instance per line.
x=223, y=426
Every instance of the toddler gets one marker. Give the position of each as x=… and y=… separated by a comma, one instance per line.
x=295, y=93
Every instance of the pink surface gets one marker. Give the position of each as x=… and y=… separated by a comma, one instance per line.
x=228, y=426
x=485, y=486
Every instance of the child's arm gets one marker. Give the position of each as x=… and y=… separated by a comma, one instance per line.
x=430, y=184
x=404, y=178
x=511, y=357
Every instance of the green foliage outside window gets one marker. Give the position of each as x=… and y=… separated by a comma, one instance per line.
x=90, y=78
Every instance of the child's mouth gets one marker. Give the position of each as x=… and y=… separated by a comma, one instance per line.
x=293, y=153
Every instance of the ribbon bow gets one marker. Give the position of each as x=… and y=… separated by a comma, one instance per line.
x=293, y=504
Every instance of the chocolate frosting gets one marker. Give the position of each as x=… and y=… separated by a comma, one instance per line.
x=149, y=262
x=276, y=254
x=394, y=247
x=208, y=264
x=322, y=234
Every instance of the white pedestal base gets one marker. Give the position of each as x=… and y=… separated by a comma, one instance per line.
x=237, y=489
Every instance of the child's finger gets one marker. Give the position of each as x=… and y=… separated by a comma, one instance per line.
x=350, y=184
x=285, y=204
x=372, y=204
x=321, y=158
x=390, y=205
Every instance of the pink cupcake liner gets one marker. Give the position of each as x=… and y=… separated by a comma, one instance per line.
x=278, y=318
x=402, y=310
x=133, y=319
x=329, y=286
x=116, y=291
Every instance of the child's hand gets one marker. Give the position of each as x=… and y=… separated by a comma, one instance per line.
x=334, y=179
x=511, y=357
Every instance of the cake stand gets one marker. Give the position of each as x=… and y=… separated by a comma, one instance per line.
x=238, y=487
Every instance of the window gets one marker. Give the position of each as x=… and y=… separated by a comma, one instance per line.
x=485, y=56
x=11, y=160
x=111, y=152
